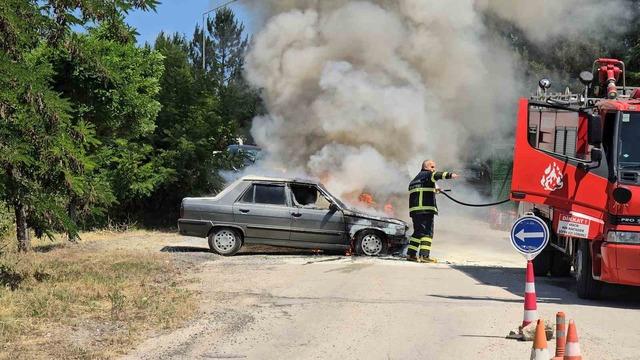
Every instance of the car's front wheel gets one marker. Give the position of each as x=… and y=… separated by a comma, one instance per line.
x=370, y=243
x=225, y=241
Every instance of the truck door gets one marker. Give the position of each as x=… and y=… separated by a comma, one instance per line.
x=551, y=156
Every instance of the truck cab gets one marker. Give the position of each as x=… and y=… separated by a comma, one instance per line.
x=577, y=166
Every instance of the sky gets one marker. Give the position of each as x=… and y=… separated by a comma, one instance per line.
x=178, y=16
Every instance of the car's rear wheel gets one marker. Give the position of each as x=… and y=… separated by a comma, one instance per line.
x=370, y=243
x=225, y=241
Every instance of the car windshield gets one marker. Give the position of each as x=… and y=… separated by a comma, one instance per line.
x=629, y=146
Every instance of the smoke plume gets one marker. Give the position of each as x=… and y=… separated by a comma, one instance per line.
x=359, y=93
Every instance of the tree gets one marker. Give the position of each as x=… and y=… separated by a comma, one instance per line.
x=112, y=85
x=189, y=131
x=226, y=46
x=44, y=152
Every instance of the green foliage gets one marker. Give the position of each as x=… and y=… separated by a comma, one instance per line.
x=112, y=85
x=188, y=132
x=44, y=152
x=226, y=45
x=44, y=138
x=96, y=129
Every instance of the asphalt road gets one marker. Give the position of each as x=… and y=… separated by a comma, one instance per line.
x=295, y=305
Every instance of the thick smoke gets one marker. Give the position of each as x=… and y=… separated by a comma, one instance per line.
x=358, y=93
x=546, y=20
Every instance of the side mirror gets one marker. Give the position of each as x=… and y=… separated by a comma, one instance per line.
x=333, y=207
x=596, y=155
x=594, y=133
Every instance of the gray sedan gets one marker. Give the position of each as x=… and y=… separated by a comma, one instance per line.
x=286, y=212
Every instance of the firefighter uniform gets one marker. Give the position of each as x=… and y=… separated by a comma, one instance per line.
x=422, y=209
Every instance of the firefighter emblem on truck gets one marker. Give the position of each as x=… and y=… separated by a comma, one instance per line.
x=552, y=178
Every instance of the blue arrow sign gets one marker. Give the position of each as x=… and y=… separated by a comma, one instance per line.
x=529, y=236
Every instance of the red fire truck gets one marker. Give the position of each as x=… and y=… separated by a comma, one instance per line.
x=577, y=166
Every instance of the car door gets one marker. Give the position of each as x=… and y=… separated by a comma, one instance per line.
x=313, y=219
x=264, y=211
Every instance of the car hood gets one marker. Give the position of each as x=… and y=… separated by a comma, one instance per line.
x=363, y=215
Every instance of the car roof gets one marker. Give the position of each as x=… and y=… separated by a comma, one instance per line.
x=275, y=179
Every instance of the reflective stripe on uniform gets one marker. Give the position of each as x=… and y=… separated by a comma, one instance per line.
x=420, y=205
x=433, y=176
x=422, y=189
x=444, y=175
x=411, y=247
x=419, y=208
x=425, y=243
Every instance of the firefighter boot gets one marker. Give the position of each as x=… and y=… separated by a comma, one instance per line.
x=412, y=258
x=426, y=259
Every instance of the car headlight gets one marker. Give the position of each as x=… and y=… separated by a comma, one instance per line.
x=623, y=237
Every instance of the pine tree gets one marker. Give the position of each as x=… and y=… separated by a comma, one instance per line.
x=226, y=45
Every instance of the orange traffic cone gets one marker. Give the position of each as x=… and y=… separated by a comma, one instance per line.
x=530, y=300
x=539, y=350
x=572, y=350
x=561, y=335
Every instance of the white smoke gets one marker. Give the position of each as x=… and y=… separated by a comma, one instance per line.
x=359, y=93
x=546, y=20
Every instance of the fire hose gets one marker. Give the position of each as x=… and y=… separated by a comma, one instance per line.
x=444, y=192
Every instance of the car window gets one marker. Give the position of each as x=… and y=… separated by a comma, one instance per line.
x=269, y=194
x=308, y=196
x=248, y=195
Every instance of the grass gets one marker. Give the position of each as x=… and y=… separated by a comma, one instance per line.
x=86, y=301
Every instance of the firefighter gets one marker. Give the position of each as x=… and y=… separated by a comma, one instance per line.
x=422, y=209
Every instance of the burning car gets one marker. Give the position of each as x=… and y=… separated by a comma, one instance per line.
x=286, y=212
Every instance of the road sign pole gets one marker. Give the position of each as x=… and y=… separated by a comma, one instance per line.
x=529, y=236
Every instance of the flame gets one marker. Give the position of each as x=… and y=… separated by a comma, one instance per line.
x=366, y=199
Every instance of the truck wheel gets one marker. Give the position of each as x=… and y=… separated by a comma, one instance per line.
x=542, y=263
x=561, y=265
x=370, y=243
x=225, y=241
x=587, y=286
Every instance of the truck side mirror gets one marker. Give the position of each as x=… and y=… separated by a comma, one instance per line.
x=594, y=133
x=596, y=157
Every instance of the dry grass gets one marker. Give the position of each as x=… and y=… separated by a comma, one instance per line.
x=86, y=301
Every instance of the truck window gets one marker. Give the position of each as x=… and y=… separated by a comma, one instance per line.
x=629, y=149
x=558, y=131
